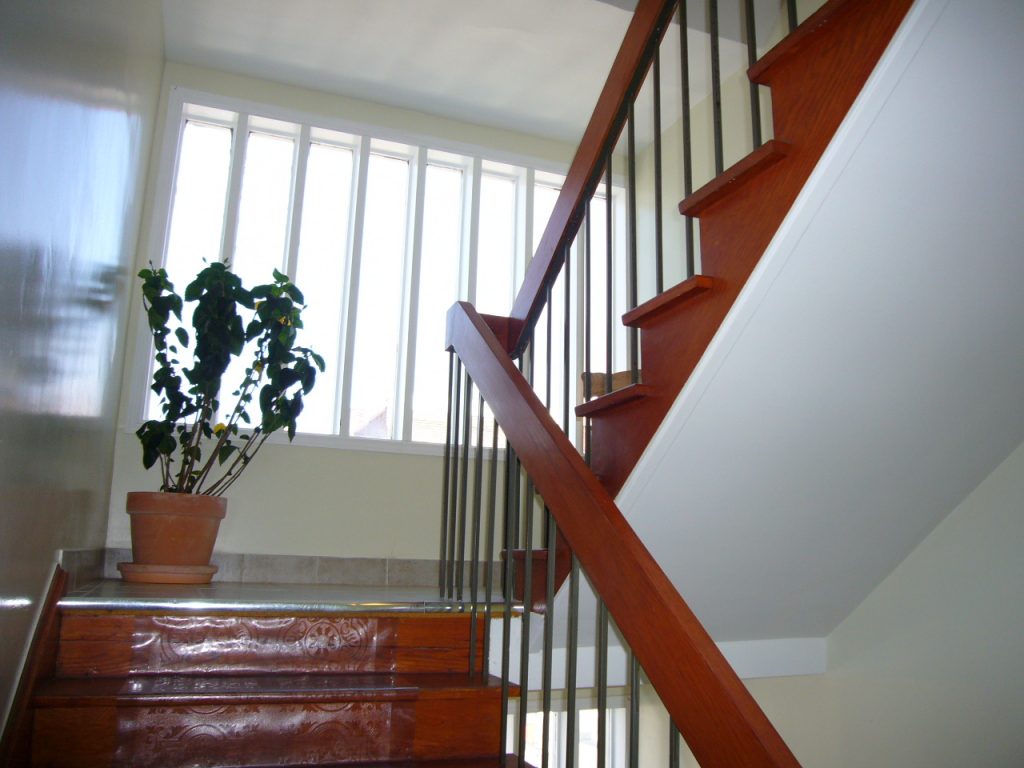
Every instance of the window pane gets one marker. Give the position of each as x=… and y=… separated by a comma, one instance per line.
x=263, y=208
x=197, y=218
x=438, y=290
x=262, y=233
x=544, y=198
x=496, y=250
x=375, y=361
x=323, y=247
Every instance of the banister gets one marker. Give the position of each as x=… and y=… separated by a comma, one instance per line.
x=624, y=80
x=717, y=716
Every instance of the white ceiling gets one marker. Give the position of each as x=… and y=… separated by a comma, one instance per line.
x=534, y=66
x=872, y=373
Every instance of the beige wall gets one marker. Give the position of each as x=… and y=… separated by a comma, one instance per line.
x=928, y=672
x=297, y=500
x=78, y=92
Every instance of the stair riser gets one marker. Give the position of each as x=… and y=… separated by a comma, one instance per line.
x=123, y=644
x=260, y=734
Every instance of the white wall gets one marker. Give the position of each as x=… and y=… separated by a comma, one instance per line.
x=300, y=500
x=78, y=91
x=928, y=671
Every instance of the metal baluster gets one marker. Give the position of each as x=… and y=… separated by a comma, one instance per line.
x=684, y=46
x=602, y=683
x=454, y=484
x=566, y=333
x=467, y=417
x=716, y=85
x=571, y=645
x=511, y=466
x=474, y=549
x=633, y=737
x=445, y=478
x=549, y=633
x=524, y=644
x=659, y=255
x=673, y=745
x=492, y=503
x=609, y=271
x=755, y=100
x=587, y=301
x=791, y=14
x=631, y=278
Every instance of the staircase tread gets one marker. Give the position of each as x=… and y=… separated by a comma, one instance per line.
x=613, y=399
x=734, y=176
x=688, y=289
x=143, y=690
x=795, y=40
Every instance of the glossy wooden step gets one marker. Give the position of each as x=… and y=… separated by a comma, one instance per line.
x=614, y=399
x=790, y=46
x=108, y=644
x=734, y=177
x=675, y=298
x=220, y=720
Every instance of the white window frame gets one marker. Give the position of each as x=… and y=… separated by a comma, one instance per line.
x=237, y=113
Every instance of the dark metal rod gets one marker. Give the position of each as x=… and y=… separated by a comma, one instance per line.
x=587, y=301
x=507, y=594
x=659, y=255
x=547, y=348
x=454, y=484
x=602, y=682
x=633, y=737
x=474, y=548
x=609, y=272
x=631, y=278
x=673, y=745
x=684, y=58
x=549, y=634
x=467, y=417
x=791, y=13
x=755, y=98
x=716, y=85
x=571, y=647
x=445, y=477
x=492, y=503
x=566, y=336
x=524, y=644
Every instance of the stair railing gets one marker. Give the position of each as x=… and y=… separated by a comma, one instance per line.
x=542, y=486
x=506, y=391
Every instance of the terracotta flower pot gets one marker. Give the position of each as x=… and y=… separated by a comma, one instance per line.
x=172, y=537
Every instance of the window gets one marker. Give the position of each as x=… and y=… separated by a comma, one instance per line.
x=382, y=237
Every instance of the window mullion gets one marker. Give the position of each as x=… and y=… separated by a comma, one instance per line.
x=352, y=284
x=524, y=215
x=472, y=239
x=298, y=193
x=410, y=307
x=227, y=247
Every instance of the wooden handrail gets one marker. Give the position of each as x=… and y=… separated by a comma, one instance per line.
x=717, y=716
x=627, y=75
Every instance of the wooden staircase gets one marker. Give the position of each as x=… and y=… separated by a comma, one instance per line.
x=247, y=687
x=815, y=74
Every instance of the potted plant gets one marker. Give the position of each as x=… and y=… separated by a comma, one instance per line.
x=200, y=447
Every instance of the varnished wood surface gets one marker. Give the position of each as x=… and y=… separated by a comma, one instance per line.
x=719, y=719
x=614, y=399
x=638, y=45
x=674, y=298
x=105, y=643
x=209, y=713
x=812, y=90
x=597, y=383
x=729, y=181
x=792, y=44
x=16, y=745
